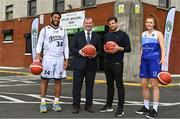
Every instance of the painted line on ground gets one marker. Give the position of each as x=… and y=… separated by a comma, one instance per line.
x=50, y=100
x=15, y=72
x=98, y=81
x=3, y=67
x=138, y=84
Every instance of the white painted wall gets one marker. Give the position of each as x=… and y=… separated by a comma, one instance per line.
x=73, y=3
x=104, y=1
x=78, y=3
x=44, y=6
x=19, y=8
x=152, y=2
x=173, y=3
x=176, y=3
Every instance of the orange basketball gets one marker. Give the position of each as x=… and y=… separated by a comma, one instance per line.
x=89, y=50
x=36, y=68
x=164, y=78
x=110, y=45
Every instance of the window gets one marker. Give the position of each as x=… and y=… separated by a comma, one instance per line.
x=164, y=3
x=28, y=42
x=89, y=3
x=9, y=12
x=32, y=7
x=8, y=35
x=59, y=5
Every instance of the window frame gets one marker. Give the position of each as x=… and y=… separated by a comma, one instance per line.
x=30, y=7
x=164, y=4
x=7, y=32
x=56, y=3
x=8, y=12
x=28, y=46
x=86, y=4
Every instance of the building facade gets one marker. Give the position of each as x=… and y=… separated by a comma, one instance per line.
x=17, y=16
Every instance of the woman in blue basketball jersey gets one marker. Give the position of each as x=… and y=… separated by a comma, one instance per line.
x=153, y=55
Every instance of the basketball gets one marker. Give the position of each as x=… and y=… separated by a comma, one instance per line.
x=89, y=50
x=36, y=68
x=164, y=78
x=110, y=45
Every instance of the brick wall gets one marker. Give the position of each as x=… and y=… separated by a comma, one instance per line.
x=13, y=54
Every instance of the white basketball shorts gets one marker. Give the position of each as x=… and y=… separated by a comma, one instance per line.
x=53, y=67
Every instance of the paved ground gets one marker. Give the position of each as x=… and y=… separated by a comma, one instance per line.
x=100, y=76
x=19, y=98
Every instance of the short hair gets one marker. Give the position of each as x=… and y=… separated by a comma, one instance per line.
x=112, y=18
x=87, y=18
x=55, y=13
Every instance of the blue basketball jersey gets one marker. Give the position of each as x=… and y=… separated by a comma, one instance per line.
x=150, y=45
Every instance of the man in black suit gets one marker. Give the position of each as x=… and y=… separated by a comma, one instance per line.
x=84, y=66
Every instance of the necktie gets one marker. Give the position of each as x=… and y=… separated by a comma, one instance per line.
x=88, y=37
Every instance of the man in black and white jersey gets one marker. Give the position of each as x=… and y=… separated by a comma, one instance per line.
x=53, y=40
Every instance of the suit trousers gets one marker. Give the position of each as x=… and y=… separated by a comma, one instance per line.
x=78, y=78
x=114, y=72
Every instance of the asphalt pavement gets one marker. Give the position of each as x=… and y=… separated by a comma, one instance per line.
x=19, y=97
x=100, y=76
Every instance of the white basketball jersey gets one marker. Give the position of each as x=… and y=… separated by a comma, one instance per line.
x=53, y=41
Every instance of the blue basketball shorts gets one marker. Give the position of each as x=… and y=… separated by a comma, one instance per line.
x=149, y=68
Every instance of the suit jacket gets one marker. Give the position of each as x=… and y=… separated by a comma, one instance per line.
x=78, y=42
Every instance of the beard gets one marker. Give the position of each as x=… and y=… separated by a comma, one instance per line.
x=55, y=23
x=114, y=28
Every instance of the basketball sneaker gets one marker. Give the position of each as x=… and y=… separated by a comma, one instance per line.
x=43, y=107
x=56, y=107
x=152, y=114
x=143, y=110
x=106, y=108
x=119, y=112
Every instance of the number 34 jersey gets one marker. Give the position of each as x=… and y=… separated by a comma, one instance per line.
x=53, y=41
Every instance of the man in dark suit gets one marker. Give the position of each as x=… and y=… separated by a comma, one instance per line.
x=84, y=66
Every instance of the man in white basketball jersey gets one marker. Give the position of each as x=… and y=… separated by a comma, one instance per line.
x=53, y=40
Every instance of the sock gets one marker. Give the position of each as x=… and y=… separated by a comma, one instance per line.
x=43, y=100
x=56, y=100
x=155, y=106
x=146, y=103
